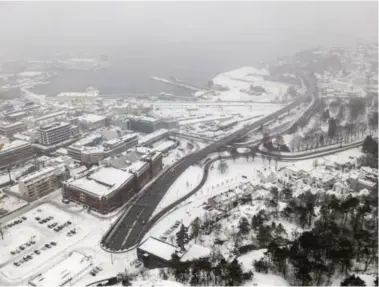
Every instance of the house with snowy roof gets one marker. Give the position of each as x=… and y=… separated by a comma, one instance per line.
x=155, y=253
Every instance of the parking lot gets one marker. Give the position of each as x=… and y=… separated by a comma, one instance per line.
x=32, y=241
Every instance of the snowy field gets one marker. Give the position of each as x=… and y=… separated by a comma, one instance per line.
x=184, y=184
x=15, y=174
x=239, y=81
x=216, y=183
x=9, y=203
x=260, y=279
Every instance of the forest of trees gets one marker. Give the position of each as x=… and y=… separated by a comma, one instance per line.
x=339, y=239
x=209, y=272
x=343, y=239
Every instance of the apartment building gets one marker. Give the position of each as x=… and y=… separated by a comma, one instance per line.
x=54, y=133
x=41, y=182
x=15, y=152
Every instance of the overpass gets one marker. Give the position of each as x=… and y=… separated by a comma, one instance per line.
x=129, y=228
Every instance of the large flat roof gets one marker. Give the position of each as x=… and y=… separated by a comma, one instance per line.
x=158, y=248
x=64, y=271
x=91, y=118
x=152, y=136
x=102, y=181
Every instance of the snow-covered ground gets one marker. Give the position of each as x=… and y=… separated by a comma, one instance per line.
x=184, y=184
x=216, y=183
x=9, y=203
x=239, y=81
x=15, y=174
x=177, y=153
x=260, y=279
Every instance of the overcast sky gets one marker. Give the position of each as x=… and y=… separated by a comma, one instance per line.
x=42, y=28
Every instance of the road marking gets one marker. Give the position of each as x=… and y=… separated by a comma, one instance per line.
x=132, y=226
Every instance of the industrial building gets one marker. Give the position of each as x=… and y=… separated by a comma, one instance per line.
x=106, y=188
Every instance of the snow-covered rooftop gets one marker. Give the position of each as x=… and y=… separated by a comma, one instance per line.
x=142, y=118
x=158, y=133
x=64, y=271
x=195, y=252
x=164, y=146
x=101, y=181
x=91, y=118
x=158, y=248
x=37, y=174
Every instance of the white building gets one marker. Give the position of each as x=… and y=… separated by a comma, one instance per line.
x=7, y=129
x=49, y=118
x=54, y=133
x=40, y=183
x=93, y=149
x=91, y=121
x=79, y=99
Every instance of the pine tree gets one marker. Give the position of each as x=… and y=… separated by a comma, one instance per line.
x=244, y=225
x=353, y=281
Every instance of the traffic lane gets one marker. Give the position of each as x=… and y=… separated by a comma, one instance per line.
x=134, y=234
x=129, y=219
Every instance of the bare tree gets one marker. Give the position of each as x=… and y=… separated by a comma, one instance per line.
x=223, y=166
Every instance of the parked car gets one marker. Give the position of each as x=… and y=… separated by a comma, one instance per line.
x=53, y=243
x=37, y=252
x=16, y=264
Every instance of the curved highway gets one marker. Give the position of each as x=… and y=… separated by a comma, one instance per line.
x=126, y=232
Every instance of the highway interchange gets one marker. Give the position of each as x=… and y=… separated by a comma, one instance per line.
x=131, y=226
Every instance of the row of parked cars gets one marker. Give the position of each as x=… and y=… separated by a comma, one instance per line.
x=71, y=232
x=44, y=220
x=13, y=223
x=95, y=270
x=35, y=252
x=60, y=227
x=169, y=231
x=22, y=247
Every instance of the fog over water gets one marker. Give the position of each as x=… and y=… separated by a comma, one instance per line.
x=191, y=40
